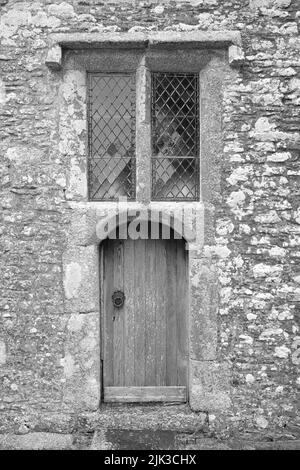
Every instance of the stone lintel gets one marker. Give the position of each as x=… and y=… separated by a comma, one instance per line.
x=140, y=40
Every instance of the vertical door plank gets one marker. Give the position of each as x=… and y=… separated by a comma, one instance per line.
x=108, y=332
x=171, y=312
x=182, y=309
x=129, y=291
x=150, y=312
x=161, y=300
x=139, y=312
x=118, y=321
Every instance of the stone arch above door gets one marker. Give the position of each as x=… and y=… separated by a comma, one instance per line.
x=168, y=220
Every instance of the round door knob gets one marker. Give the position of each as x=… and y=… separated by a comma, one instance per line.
x=118, y=299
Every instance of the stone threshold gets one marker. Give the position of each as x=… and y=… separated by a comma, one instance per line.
x=114, y=426
x=167, y=417
x=174, y=417
x=146, y=426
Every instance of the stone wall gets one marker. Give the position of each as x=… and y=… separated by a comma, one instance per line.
x=253, y=242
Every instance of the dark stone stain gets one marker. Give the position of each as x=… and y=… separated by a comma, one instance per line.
x=125, y=439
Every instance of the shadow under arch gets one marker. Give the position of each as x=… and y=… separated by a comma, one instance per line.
x=144, y=224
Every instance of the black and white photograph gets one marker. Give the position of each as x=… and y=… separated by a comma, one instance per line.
x=149, y=228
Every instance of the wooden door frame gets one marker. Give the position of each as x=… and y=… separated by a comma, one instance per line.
x=156, y=393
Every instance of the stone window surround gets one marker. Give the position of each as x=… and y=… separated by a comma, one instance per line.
x=145, y=40
x=208, y=378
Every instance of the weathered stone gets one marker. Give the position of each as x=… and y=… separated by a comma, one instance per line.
x=81, y=362
x=263, y=4
x=12, y=20
x=210, y=389
x=2, y=353
x=282, y=352
x=236, y=56
x=262, y=270
x=81, y=279
x=203, y=321
x=3, y=97
x=36, y=441
x=262, y=422
x=141, y=37
x=63, y=10
x=54, y=57
x=279, y=157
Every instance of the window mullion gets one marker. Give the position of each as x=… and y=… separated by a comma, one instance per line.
x=143, y=133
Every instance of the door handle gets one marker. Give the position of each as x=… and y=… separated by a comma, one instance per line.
x=118, y=299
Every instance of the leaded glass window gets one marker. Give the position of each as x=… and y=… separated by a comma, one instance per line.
x=175, y=136
x=111, y=136
x=174, y=132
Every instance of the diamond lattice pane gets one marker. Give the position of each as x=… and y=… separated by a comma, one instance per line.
x=111, y=136
x=175, y=127
x=175, y=178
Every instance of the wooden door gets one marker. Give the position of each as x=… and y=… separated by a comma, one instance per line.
x=145, y=341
